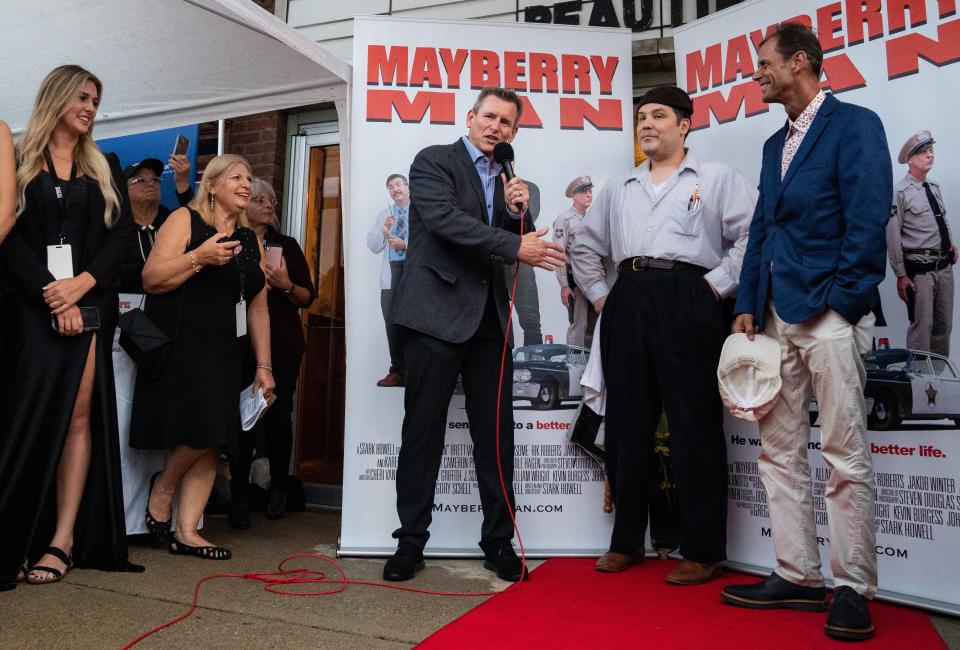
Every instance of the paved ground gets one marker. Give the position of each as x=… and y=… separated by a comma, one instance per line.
x=93, y=609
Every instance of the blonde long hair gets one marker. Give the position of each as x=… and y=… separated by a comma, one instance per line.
x=212, y=174
x=60, y=87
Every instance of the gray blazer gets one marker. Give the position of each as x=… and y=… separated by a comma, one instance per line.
x=453, y=257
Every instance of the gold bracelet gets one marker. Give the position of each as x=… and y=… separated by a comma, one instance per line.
x=264, y=367
x=193, y=263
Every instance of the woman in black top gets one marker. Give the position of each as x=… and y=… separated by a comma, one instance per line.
x=61, y=499
x=206, y=287
x=143, y=187
x=290, y=289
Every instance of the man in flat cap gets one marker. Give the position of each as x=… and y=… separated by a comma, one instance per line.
x=921, y=249
x=677, y=228
x=582, y=316
x=816, y=255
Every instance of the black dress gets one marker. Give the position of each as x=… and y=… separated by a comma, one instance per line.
x=193, y=397
x=42, y=372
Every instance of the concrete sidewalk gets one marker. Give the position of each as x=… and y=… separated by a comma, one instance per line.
x=94, y=609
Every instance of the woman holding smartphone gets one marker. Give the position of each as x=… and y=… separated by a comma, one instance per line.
x=207, y=292
x=290, y=290
x=61, y=501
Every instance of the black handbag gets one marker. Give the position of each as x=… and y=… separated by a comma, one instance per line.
x=146, y=343
x=139, y=336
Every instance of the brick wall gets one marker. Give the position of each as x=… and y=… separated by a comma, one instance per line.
x=262, y=140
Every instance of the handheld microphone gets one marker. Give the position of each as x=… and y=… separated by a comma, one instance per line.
x=503, y=154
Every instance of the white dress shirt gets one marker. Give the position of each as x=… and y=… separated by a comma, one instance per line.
x=700, y=215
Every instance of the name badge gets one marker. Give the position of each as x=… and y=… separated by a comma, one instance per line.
x=241, y=318
x=60, y=261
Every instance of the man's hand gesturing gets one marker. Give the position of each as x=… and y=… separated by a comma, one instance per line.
x=539, y=252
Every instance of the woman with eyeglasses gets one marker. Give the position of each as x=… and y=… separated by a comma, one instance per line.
x=8, y=181
x=206, y=292
x=143, y=188
x=290, y=289
x=61, y=500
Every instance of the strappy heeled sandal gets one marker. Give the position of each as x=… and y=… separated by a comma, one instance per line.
x=160, y=530
x=56, y=573
x=203, y=552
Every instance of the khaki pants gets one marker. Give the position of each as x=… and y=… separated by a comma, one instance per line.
x=580, y=332
x=933, y=312
x=821, y=356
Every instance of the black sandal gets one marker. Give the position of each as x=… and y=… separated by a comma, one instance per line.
x=203, y=552
x=56, y=573
x=160, y=530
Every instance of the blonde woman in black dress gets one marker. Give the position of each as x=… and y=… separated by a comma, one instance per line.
x=206, y=291
x=61, y=500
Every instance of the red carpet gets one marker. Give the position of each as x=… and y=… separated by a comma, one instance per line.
x=567, y=604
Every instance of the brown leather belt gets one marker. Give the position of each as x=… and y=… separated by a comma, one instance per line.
x=642, y=263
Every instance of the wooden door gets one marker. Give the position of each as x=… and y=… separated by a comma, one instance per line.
x=320, y=404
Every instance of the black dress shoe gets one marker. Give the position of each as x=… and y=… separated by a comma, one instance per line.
x=776, y=593
x=849, y=619
x=500, y=558
x=404, y=564
x=276, y=503
x=238, y=517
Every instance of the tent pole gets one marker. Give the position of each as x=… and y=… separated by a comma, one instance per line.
x=221, y=132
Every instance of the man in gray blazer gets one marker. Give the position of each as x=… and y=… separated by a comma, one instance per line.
x=452, y=305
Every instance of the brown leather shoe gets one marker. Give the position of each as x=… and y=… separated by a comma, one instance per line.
x=613, y=562
x=689, y=572
x=392, y=380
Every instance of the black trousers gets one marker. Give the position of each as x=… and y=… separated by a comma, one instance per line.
x=277, y=433
x=432, y=369
x=394, y=341
x=660, y=337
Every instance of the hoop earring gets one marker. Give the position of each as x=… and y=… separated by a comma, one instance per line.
x=211, y=201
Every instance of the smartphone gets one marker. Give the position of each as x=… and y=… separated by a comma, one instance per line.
x=89, y=315
x=180, y=148
x=274, y=255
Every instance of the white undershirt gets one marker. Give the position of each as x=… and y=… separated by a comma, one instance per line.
x=658, y=189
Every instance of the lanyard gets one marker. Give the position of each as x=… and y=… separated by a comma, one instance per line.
x=61, y=191
x=144, y=253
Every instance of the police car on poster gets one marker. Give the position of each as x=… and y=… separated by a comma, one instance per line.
x=548, y=374
x=907, y=384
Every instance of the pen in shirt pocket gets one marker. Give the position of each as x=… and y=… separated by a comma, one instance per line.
x=694, y=201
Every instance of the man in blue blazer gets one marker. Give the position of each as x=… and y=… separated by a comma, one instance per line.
x=815, y=256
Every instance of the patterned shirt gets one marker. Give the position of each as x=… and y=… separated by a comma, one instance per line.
x=798, y=130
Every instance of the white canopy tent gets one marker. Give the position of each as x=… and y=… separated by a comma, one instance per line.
x=165, y=64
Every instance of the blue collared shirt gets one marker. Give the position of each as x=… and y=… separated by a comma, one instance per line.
x=488, y=171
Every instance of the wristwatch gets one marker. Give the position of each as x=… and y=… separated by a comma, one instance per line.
x=289, y=291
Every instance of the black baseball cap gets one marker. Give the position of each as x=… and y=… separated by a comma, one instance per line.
x=152, y=164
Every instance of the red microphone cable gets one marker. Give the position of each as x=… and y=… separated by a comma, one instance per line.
x=503, y=363
x=275, y=581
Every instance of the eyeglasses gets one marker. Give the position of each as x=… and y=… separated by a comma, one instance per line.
x=146, y=180
x=263, y=199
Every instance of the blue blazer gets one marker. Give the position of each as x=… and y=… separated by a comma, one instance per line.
x=818, y=239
